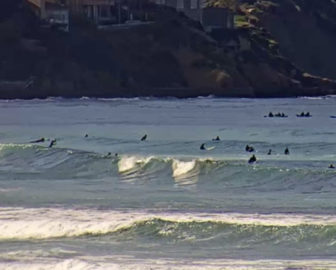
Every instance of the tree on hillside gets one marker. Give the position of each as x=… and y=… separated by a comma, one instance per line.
x=231, y=4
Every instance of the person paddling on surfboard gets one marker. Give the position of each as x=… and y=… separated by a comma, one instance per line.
x=144, y=138
x=202, y=147
x=38, y=141
x=249, y=148
x=252, y=159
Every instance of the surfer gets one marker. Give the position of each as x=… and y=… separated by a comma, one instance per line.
x=38, y=141
x=303, y=114
x=249, y=148
x=331, y=166
x=216, y=139
x=86, y=136
x=52, y=143
x=202, y=147
x=108, y=155
x=286, y=151
x=270, y=114
x=269, y=152
x=144, y=137
x=252, y=159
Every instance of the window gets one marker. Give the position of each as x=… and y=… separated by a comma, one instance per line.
x=193, y=4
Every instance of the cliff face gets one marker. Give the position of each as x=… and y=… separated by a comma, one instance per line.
x=306, y=31
x=171, y=57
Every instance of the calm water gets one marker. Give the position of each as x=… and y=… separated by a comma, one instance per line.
x=163, y=203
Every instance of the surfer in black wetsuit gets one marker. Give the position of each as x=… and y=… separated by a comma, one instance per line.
x=269, y=152
x=252, y=159
x=286, y=151
x=144, y=137
x=331, y=166
x=249, y=148
x=86, y=136
x=270, y=114
x=52, y=143
x=216, y=139
x=38, y=141
x=108, y=155
x=202, y=147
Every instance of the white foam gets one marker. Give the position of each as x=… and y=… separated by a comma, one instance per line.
x=9, y=146
x=43, y=223
x=5, y=190
x=129, y=263
x=181, y=168
x=126, y=164
x=130, y=163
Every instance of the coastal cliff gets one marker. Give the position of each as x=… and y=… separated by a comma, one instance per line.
x=266, y=55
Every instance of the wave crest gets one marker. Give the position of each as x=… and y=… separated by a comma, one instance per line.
x=44, y=223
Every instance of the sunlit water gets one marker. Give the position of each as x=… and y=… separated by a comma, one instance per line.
x=164, y=203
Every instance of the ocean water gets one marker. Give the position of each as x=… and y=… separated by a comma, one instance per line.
x=163, y=203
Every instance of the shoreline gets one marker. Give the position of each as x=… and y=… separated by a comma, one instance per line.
x=178, y=93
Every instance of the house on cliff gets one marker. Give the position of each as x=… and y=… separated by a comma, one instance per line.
x=97, y=11
x=105, y=12
x=53, y=13
x=210, y=17
x=108, y=12
x=57, y=11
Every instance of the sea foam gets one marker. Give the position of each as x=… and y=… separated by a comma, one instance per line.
x=43, y=223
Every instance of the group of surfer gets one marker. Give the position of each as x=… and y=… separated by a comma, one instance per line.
x=254, y=158
x=248, y=148
x=53, y=143
x=283, y=115
x=303, y=114
x=42, y=140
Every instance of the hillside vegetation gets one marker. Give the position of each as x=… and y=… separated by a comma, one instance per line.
x=172, y=56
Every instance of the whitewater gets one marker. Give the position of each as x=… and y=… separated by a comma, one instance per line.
x=103, y=199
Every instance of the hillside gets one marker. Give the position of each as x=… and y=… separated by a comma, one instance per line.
x=170, y=57
x=304, y=29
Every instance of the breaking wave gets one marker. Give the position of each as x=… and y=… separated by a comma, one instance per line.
x=44, y=223
x=27, y=161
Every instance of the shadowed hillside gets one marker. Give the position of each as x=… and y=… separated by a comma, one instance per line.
x=172, y=56
x=304, y=29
